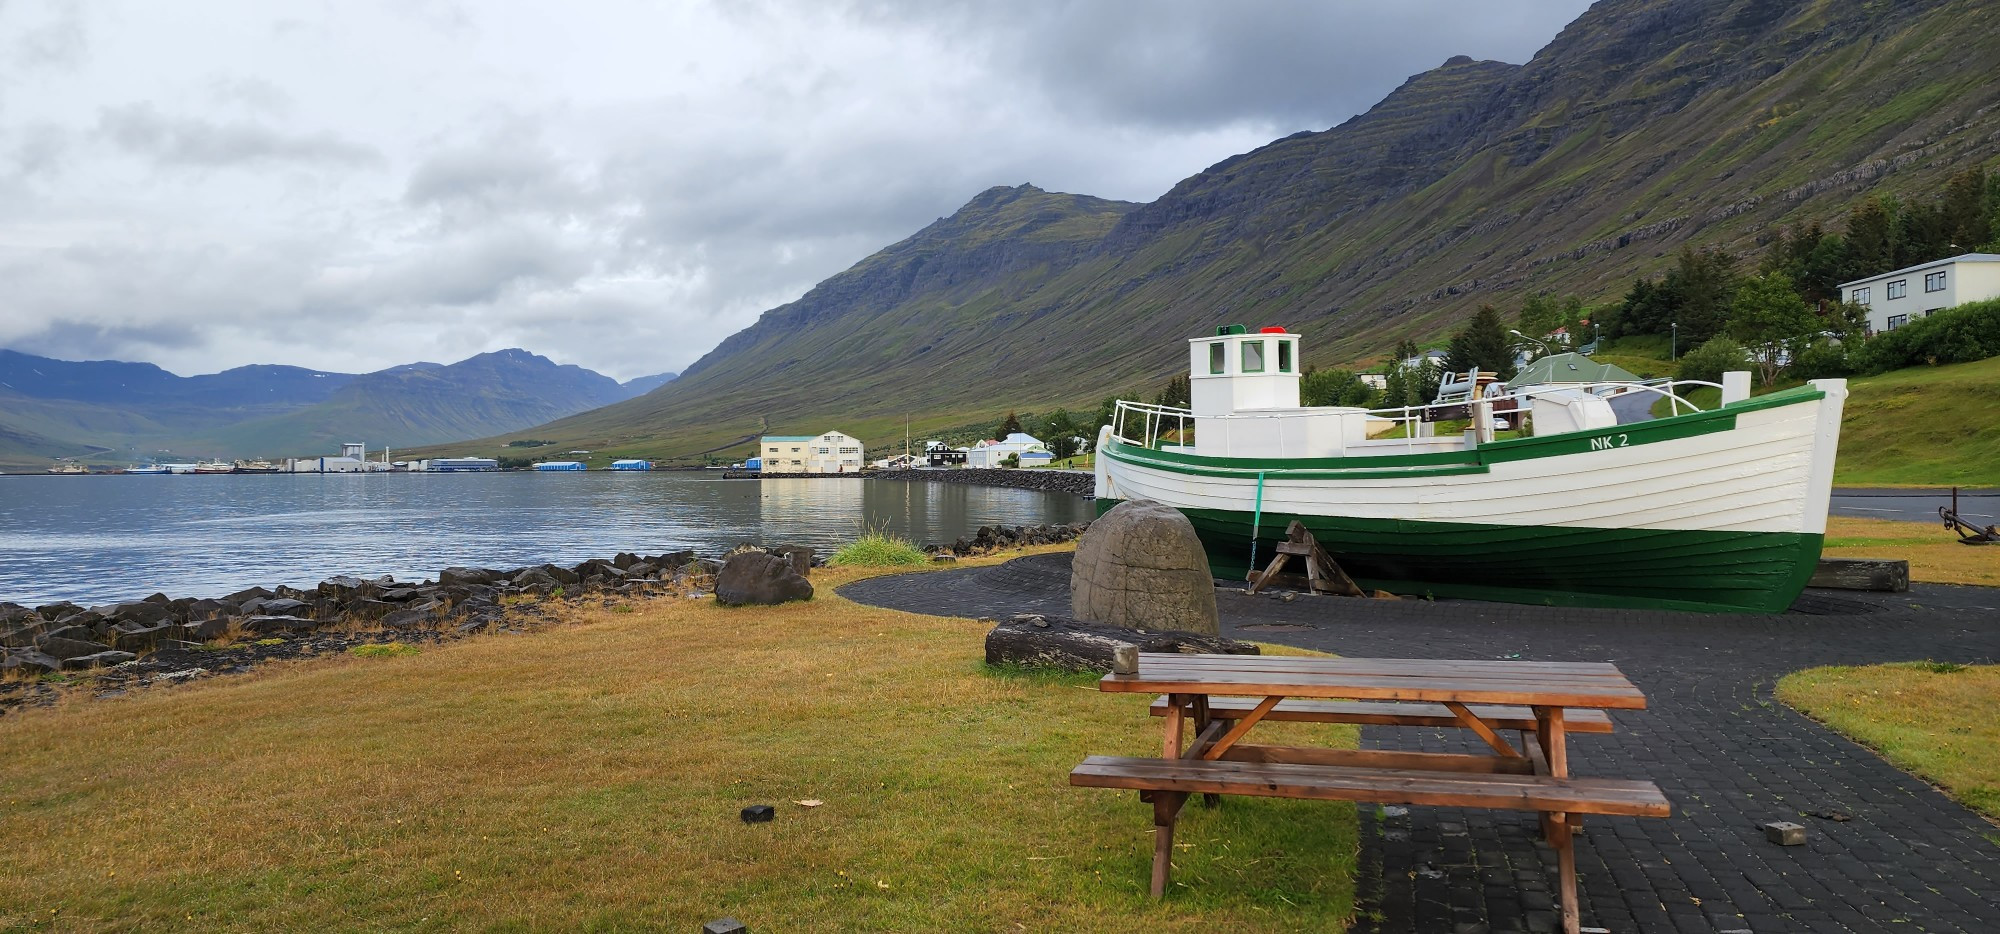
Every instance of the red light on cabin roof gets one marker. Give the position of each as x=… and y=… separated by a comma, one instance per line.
x=1271, y=330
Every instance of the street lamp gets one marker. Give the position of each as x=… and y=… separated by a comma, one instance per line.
x=1674, y=341
x=1545, y=347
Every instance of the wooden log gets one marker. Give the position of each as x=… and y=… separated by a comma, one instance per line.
x=1877, y=574
x=1056, y=642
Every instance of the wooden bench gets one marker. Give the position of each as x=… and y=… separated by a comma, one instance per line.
x=1394, y=713
x=1166, y=783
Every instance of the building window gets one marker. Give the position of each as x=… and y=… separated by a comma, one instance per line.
x=1253, y=356
x=1896, y=321
x=1284, y=356
x=1216, y=356
x=1859, y=296
x=1934, y=281
x=795, y=450
x=1899, y=288
x=850, y=450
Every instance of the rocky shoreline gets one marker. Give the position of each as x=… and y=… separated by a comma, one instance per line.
x=53, y=650
x=1073, y=482
x=171, y=640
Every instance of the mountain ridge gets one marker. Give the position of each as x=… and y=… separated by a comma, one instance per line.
x=1641, y=127
x=108, y=410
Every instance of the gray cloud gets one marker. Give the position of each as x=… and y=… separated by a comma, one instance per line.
x=58, y=39
x=198, y=143
x=355, y=186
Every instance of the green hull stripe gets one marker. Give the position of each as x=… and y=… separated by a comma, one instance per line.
x=1474, y=460
x=1742, y=572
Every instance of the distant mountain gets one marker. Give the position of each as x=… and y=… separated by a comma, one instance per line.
x=642, y=385
x=1644, y=126
x=112, y=412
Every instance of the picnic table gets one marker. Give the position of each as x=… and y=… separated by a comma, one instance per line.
x=1222, y=697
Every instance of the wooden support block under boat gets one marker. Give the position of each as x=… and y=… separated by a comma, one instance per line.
x=1877, y=574
x=1323, y=574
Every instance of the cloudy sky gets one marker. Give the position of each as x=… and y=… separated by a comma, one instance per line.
x=350, y=185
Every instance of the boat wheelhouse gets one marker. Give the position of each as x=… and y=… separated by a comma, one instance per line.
x=1721, y=509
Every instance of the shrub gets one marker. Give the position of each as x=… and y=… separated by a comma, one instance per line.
x=1714, y=358
x=876, y=550
x=1954, y=335
x=1823, y=359
x=384, y=650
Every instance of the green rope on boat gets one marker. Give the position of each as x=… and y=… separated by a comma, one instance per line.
x=1257, y=521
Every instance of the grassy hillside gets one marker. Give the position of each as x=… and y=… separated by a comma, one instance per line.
x=1639, y=129
x=1925, y=426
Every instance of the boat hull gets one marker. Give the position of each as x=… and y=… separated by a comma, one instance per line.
x=1721, y=511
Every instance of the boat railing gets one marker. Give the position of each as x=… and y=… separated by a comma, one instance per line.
x=1150, y=425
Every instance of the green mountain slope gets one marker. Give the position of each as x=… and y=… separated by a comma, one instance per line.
x=1644, y=126
x=426, y=404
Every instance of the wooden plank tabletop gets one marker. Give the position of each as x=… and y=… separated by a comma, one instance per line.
x=1473, y=681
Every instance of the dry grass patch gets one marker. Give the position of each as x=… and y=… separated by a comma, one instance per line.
x=590, y=776
x=1934, y=554
x=1934, y=720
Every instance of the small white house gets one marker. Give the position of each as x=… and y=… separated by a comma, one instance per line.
x=832, y=452
x=988, y=453
x=1894, y=299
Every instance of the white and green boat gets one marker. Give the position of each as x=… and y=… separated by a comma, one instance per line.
x=1716, y=510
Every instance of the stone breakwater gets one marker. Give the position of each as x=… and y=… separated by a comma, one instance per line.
x=1074, y=482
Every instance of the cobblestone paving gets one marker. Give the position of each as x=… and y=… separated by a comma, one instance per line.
x=1905, y=858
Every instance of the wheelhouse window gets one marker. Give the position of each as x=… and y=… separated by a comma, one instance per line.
x=1899, y=288
x=1896, y=321
x=1859, y=296
x=1253, y=356
x=1934, y=281
x=1284, y=356
x=1217, y=356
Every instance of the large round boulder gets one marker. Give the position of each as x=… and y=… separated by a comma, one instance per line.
x=1141, y=566
x=753, y=578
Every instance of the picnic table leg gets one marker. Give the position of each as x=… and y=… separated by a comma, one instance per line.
x=1176, y=715
x=1550, y=733
x=1201, y=721
x=1166, y=805
x=1562, y=836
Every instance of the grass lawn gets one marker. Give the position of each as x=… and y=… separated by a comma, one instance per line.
x=1934, y=554
x=1933, y=720
x=589, y=777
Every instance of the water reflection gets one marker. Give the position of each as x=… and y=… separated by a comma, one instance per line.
x=97, y=539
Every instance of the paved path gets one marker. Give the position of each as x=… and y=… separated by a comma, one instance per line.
x=1916, y=505
x=1728, y=755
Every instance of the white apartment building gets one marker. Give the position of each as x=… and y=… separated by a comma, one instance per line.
x=1894, y=299
x=832, y=452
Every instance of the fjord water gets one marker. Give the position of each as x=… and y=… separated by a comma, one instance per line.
x=98, y=539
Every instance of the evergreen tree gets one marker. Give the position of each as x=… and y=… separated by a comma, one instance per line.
x=1176, y=393
x=1966, y=217
x=1008, y=427
x=1482, y=345
x=1704, y=282
x=1871, y=240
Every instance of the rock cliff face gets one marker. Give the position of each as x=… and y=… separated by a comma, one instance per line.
x=1644, y=125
